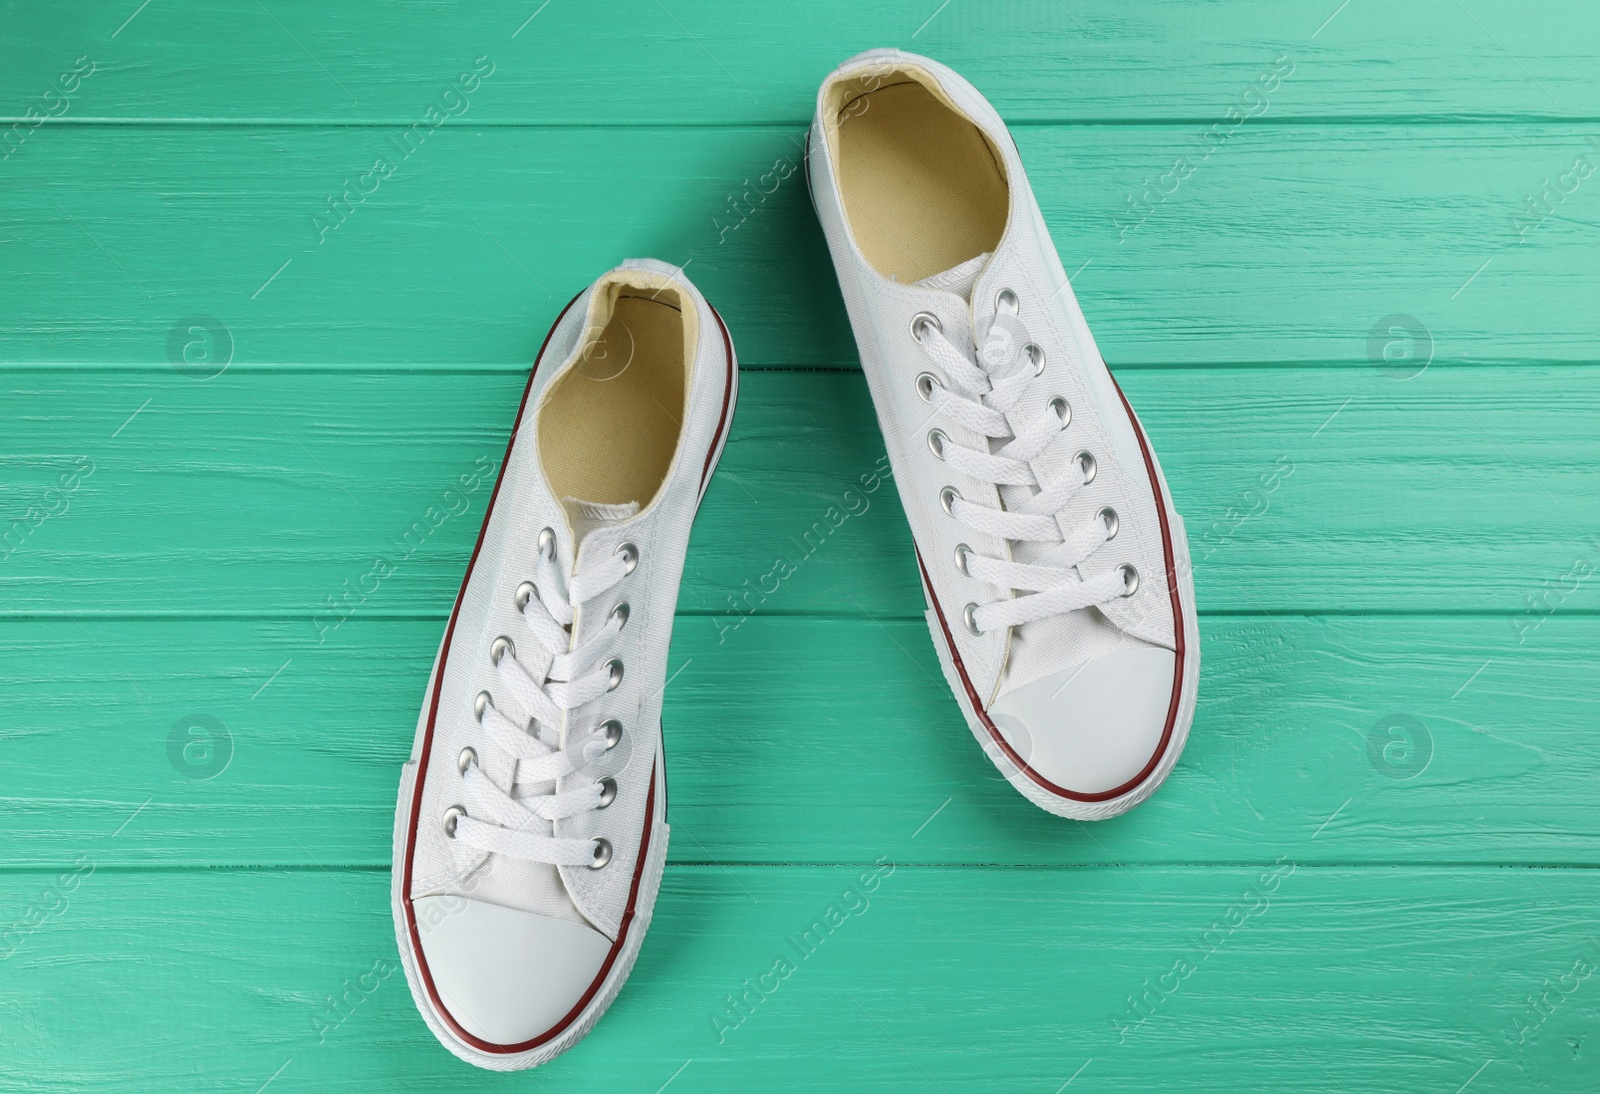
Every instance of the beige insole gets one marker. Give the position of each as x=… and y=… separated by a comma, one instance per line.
x=923, y=190
x=609, y=426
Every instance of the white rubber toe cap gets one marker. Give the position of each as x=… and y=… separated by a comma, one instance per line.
x=506, y=976
x=1094, y=727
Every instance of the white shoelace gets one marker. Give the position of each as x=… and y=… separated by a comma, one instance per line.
x=983, y=397
x=539, y=684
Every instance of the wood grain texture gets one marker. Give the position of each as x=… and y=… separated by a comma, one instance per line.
x=1358, y=326
x=271, y=492
x=696, y=62
x=1278, y=977
x=1285, y=244
x=823, y=740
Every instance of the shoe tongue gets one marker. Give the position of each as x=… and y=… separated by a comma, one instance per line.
x=957, y=279
x=590, y=516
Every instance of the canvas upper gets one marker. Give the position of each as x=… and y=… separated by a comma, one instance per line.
x=520, y=899
x=934, y=229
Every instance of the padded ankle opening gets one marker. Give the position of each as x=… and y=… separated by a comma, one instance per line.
x=923, y=188
x=609, y=425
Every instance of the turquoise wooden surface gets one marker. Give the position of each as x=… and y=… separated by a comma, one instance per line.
x=1287, y=245
x=1374, y=868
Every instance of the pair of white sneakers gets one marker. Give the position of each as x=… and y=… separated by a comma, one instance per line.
x=531, y=829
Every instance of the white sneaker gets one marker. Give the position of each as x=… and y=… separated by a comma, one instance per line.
x=1055, y=567
x=531, y=828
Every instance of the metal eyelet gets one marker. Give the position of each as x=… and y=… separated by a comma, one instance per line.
x=614, y=667
x=1063, y=410
x=962, y=551
x=467, y=758
x=547, y=542
x=451, y=816
x=500, y=648
x=1108, y=517
x=620, y=614
x=631, y=554
x=970, y=615
x=608, y=792
x=936, y=439
x=926, y=382
x=482, y=703
x=602, y=854
x=612, y=730
x=1035, y=354
x=1006, y=301
x=921, y=318
x=1086, y=464
x=948, y=498
x=1130, y=579
x=525, y=593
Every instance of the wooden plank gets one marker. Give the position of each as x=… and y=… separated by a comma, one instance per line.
x=693, y=61
x=271, y=492
x=814, y=740
x=1278, y=976
x=1284, y=244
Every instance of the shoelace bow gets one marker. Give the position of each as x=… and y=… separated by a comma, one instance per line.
x=984, y=397
x=539, y=688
